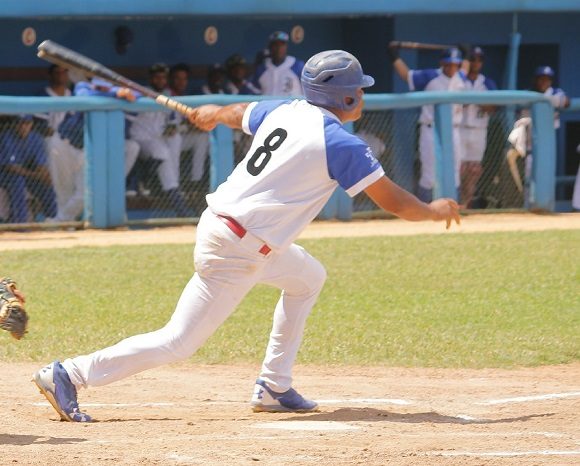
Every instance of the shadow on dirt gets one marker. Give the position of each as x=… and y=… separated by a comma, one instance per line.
x=378, y=415
x=14, y=439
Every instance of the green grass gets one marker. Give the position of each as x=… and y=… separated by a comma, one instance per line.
x=478, y=300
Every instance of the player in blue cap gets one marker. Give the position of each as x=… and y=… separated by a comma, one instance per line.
x=279, y=73
x=299, y=155
x=450, y=76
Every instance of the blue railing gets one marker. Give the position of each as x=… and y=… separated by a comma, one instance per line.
x=104, y=136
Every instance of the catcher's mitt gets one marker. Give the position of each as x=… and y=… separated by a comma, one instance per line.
x=13, y=317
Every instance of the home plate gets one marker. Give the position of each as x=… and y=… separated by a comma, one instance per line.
x=305, y=425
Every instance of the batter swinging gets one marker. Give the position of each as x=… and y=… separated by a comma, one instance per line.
x=299, y=155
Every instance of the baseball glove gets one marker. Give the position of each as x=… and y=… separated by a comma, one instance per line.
x=13, y=317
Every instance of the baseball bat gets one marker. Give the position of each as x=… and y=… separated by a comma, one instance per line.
x=62, y=56
x=418, y=45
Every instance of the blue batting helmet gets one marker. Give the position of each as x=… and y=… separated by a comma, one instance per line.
x=451, y=55
x=330, y=76
x=544, y=71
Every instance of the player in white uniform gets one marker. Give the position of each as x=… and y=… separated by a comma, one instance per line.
x=520, y=136
x=300, y=154
x=159, y=138
x=279, y=74
x=449, y=77
x=474, y=127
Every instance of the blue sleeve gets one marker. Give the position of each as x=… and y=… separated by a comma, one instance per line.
x=83, y=88
x=37, y=150
x=421, y=78
x=490, y=84
x=349, y=159
x=297, y=67
x=261, y=110
x=256, y=79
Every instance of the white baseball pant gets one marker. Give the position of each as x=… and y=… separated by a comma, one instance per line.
x=132, y=149
x=576, y=195
x=198, y=143
x=66, y=166
x=473, y=142
x=227, y=268
x=168, y=151
x=427, y=156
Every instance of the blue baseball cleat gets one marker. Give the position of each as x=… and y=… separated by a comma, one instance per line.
x=265, y=399
x=54, y=383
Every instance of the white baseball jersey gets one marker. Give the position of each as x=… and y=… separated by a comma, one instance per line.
x=557, y=98
x=283, y=79
x=473, y=116
x=435, y=80
x=263, y=192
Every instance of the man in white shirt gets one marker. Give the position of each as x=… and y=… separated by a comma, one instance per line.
x=474, y=127
x=449, y=77
x=300, y=154
x=279, y=74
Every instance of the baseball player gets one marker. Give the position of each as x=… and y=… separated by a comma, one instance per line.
x=279, y=73
x=449, y=77
x=237, y=71
x=520, y=136
x=157, y=134
x=474, y=127
x=576, y=195
x=300, y=154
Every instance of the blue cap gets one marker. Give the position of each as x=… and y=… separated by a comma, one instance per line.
x=452, y=55
x=278, y=36
x=26, y=117
x=544, y=71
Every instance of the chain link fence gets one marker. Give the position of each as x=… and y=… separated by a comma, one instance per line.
x=167, y=165
x=486, y=180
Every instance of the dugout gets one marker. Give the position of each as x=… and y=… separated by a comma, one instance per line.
x=518, y=35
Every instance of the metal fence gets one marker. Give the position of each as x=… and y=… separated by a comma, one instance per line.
x=101, y=162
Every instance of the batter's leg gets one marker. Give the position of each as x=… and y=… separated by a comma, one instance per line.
x=301, y=278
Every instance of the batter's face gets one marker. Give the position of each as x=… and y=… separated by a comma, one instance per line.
x=158, y=81
x=449, y=69
x=179, y=82
x=542, y=83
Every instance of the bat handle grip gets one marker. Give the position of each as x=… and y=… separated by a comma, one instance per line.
x=174, y=105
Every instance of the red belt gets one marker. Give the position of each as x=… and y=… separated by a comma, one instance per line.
x=240, y=232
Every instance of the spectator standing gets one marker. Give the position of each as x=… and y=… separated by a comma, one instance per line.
x=474, y=127
x=24, y=170
x=279, y=74
x=449, y=77
x=157, y=134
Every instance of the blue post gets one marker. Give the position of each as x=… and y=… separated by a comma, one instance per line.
x=104, y=168
x=511, y=76
x=221, y=156
x=543, y=182
x=444, y=157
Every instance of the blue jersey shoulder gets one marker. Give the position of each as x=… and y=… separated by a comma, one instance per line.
x=490, y=84
x=423, y=77
x=349, y=158
x=261, y=110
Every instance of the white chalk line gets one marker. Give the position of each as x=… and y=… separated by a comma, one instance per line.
x=306, y=425
x=523, y=399
x=370, y=401
x=508, y=453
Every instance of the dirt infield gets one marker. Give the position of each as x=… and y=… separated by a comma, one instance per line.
x=199, y=415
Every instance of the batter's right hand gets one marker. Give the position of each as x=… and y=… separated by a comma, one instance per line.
x=445, y=209
x=205, y=117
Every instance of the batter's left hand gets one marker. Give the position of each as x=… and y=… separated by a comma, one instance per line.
x=445, y=209
x=205, y=117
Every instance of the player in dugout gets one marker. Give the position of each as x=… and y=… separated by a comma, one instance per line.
x=300, y=154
